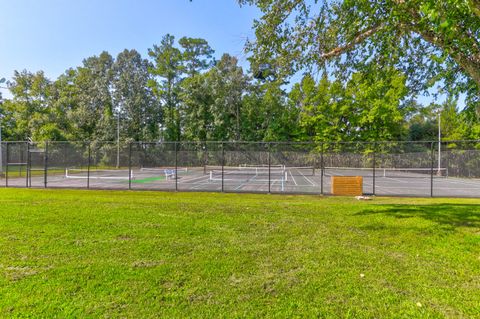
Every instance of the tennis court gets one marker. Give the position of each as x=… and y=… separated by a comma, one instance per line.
x=278, y=179
x=306, y=168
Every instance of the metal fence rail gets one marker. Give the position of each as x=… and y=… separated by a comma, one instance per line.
x=449, y=168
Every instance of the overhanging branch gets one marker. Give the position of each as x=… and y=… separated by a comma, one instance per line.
x=349, y=46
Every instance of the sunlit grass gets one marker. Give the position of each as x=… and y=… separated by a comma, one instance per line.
x=95, y=254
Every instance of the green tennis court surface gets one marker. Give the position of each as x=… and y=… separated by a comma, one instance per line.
x=148, y=180
x=67, y=253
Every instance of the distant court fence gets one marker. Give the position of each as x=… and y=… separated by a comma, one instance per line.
x=427, y=169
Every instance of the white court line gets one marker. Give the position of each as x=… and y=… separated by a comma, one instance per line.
x=294, y=181
x=435, y=180
x=239, y=186
x=393, y=179
x=182, y=180
x=401, y=187
x=452, y=189
x=308, y=180
x=202, y=186
x=199, y=181
x=379, y=188
x=435, y=185
x=462, y=182
x=198, y=185
x=243, y=184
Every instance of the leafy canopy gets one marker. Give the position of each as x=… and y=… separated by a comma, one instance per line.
x=432, y=42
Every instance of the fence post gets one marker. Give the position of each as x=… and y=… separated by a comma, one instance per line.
x=45, y=169
x=205, y=158
x=176, y=166
x=66, y=144
x=269, y=168
x=447, y=164
x=431, y=168
x=130, y=166
x=321, y=168
x=21, y=164
x=6, y=165
x=374, y=164
x=88, y=165
x=223, y=166
x=28, y=167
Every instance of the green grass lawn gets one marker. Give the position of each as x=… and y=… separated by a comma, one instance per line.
x=67, y=253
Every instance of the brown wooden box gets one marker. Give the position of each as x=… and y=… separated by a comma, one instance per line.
x=347, y=185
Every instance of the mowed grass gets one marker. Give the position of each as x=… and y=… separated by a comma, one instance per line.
x=67, y=253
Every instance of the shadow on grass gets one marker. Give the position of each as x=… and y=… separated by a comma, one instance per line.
x=449, y=215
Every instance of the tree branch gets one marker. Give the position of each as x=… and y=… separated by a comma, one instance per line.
x=470, y=64
x=358, y=39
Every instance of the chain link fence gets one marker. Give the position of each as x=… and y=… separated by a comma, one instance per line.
x=449, y=168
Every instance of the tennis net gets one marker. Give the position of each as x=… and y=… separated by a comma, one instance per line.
x=163, y=169
x=169, y=172
x=249, y=174
x=263, y=169
x=115, y=174
x=386, y=172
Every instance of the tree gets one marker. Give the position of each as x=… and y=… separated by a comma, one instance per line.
x=168, y=70
x=92, y=116
x=197, y=99
x=30, y=108
x=422, y=126
x=228, y=83
x=453, y=125
x=6, y=122
x=197, y=55
x=430, y=41
x=266, y=115
x=314, y=103
x=366, y=108
x=64, y=103
x=136, y=106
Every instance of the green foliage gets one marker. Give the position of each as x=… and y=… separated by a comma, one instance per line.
x=431, y=42
x=197, y=55
x=366, y=108
x=197, y=99
x=181, y=93
x=136, y=105
x=228, y=83
x=266, y=115
x=92, y=115
x=168, y=68
x=29, y=108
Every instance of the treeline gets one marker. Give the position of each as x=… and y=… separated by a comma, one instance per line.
x=180, y=92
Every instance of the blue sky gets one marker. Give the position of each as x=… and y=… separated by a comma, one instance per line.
x=53, y=35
